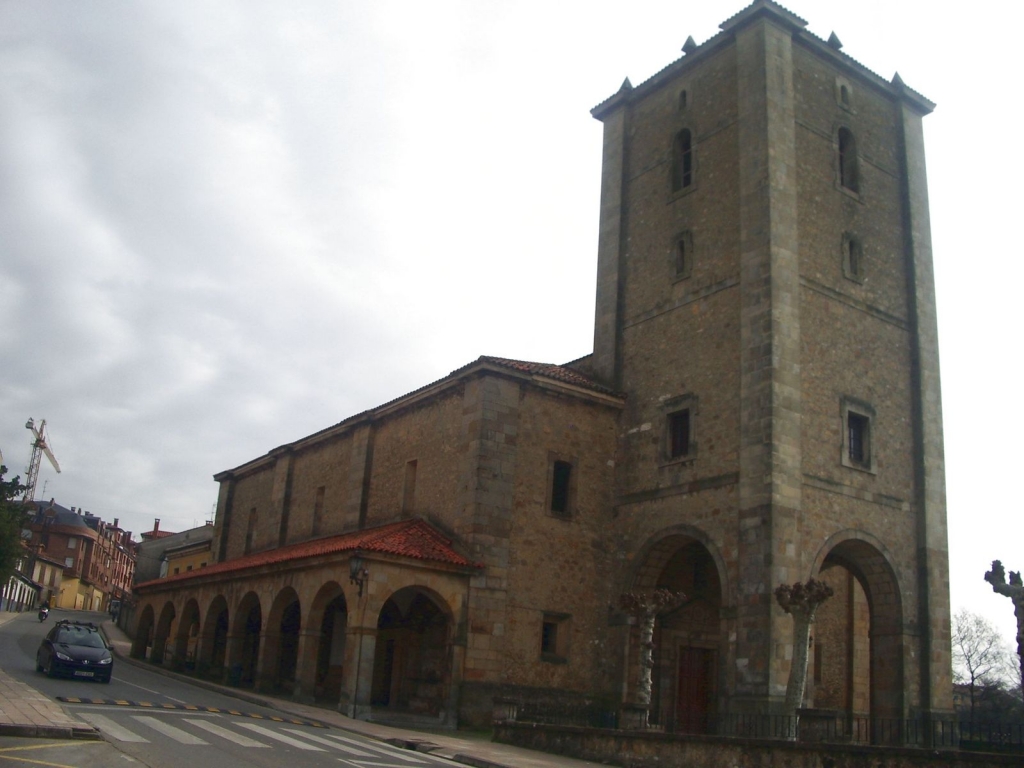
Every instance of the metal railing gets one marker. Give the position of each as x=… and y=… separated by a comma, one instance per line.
x=841, y=729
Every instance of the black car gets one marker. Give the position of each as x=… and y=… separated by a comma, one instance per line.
x=75, y=649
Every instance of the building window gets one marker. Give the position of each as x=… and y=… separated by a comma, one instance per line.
x=682, y=255
x=682, y=161
x=188, y=567
x=560, y=487
x=176, y=571
x=72, y=543
x=844, y=94
x=554, y=638
x=679, y=434
x=69, y=562
x=853, y=258
x=849, y=175
x=858, y=450
x=318, y=511
x=409, y=489
x=684, y=98
x=679, y=442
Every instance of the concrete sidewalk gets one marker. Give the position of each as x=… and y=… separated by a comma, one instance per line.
x=25, y=711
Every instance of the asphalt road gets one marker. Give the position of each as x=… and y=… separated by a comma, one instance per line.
x=163, y=722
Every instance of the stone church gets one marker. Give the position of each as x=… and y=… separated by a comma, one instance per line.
x=761, y=406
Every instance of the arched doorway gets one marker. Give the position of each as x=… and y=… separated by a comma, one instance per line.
x=282, y=652
x=143, y=633
x=857, y=640
x=248, y=624
x=214, y=643
x=688, y=640
x=187, y=637
x=163, y=631
x=412, y=658
x=330, y=616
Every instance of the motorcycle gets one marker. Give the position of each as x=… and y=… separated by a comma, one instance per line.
x=43, y=613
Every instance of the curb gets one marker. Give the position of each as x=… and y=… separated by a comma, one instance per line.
x=76, y=733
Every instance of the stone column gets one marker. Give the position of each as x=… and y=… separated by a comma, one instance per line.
x=305, y=672
x=232, y=654
x=357, y=683
x=265, y=676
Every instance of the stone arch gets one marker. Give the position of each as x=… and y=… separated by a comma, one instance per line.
x=213, y=643
x=246, y=633
x=691, y=641
x=412, y=669
x=328, y=617
x=143, y=633
x=281, y=654
x=163, y=631
x=186, y=639
x=858, y=641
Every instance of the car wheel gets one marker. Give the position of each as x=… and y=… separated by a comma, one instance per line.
x=50, y=672
x=39, y=667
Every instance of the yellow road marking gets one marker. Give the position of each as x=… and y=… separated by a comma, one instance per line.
x=5, y=756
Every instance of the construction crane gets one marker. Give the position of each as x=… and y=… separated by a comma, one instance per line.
x=39, y=447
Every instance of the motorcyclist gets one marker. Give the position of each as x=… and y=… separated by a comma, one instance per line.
x=44, y=611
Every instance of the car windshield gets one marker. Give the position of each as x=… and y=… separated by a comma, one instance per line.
x=85, y=637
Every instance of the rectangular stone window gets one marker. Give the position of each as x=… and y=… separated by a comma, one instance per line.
x=554, y=638
x=679, y=441
x=561, y=490
x=682, y=255
x=858, y=450
x=853, y=258
x=560, y=487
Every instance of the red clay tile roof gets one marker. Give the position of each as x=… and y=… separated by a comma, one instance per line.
x=157, y=534
x=415, y=539
x=549, y=371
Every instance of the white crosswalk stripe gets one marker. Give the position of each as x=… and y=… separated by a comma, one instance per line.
x=112, y=729
x=390, y=752
x=329, y=743
x=280, y=737
x=180, y=736
x=224, y=733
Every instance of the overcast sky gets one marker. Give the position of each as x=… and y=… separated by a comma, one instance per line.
x=227, y=225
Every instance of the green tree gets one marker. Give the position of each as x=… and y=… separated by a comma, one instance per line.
x=10, y=525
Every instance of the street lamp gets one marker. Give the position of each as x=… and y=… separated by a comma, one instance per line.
x=357, y=573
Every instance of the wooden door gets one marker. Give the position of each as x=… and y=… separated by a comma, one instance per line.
x=695, y=693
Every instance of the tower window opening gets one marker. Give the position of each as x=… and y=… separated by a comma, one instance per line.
x=679, y=434
x=858, y=433
x=560, y=487
x=682, y=161
x=683, y=97
x=853, y=257
x=848, y=170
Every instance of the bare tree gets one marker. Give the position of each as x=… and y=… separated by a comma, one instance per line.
x=645, y=608
x=981, y=660
x=800, y=601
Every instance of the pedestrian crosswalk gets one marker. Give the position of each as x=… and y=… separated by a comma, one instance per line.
x=202, y=729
